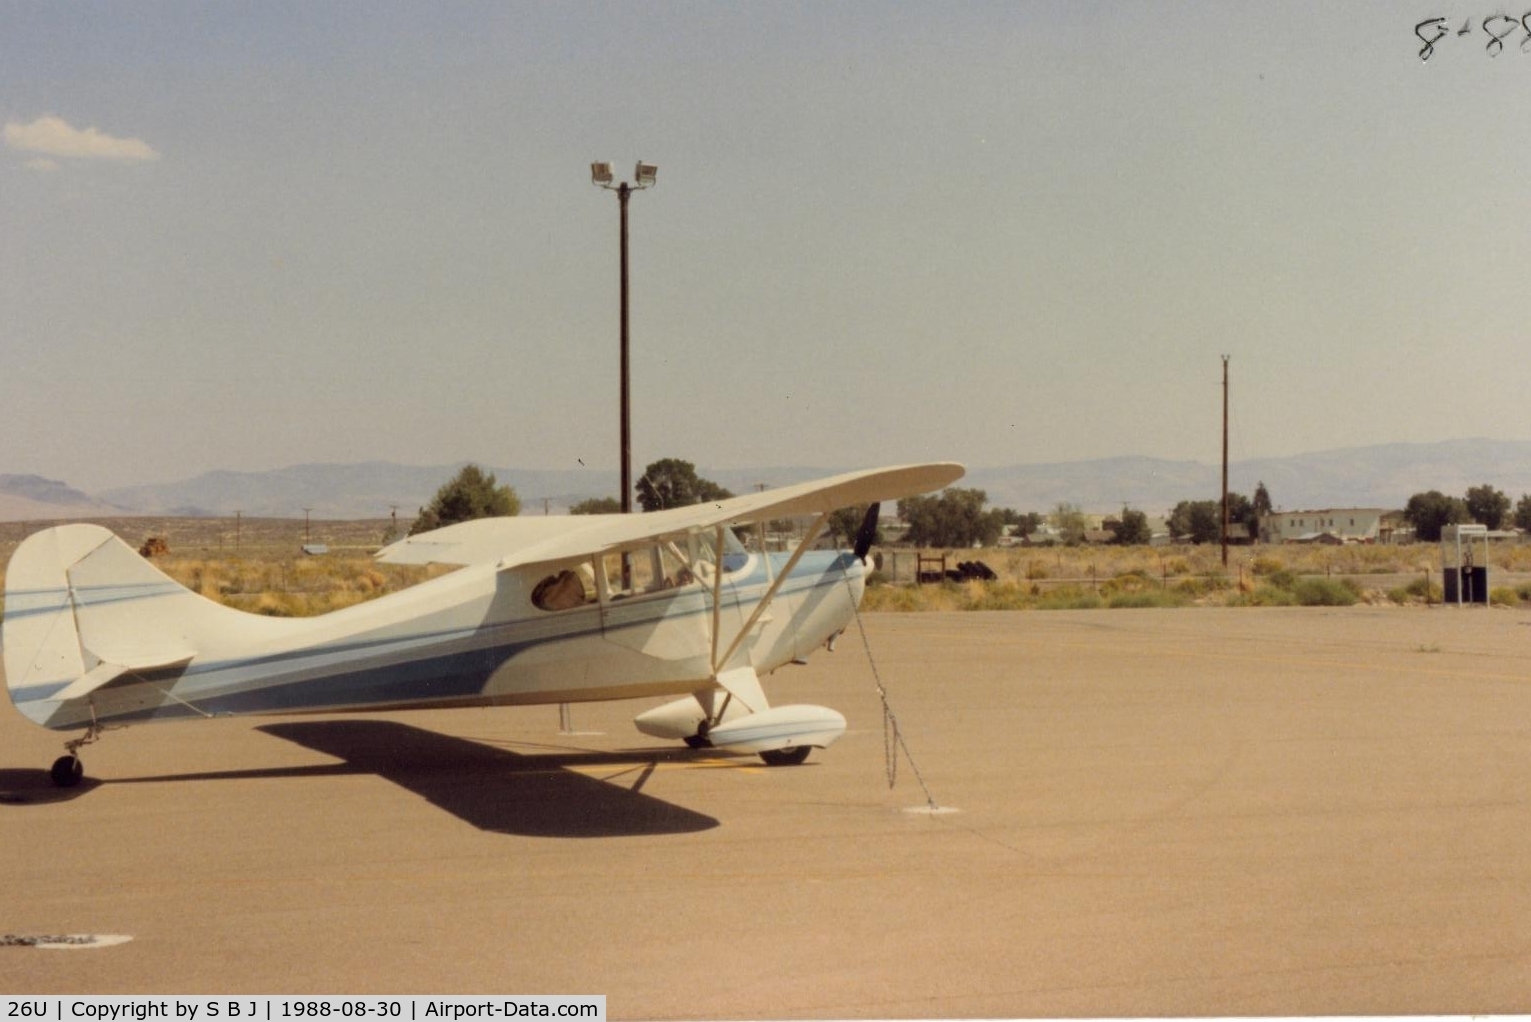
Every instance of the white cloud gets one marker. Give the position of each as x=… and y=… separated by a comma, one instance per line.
x=54, y=136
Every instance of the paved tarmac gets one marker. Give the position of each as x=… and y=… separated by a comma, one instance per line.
x=1185, y=812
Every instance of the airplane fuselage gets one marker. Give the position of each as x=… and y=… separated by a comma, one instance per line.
x=475, y=637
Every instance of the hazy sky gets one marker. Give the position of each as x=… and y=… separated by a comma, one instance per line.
x=248, y=235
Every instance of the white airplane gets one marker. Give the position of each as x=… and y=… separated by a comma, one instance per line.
x=544, y=610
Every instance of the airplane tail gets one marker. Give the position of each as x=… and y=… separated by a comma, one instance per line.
x=83, y=609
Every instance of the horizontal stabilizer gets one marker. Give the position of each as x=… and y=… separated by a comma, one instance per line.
x=103, y=674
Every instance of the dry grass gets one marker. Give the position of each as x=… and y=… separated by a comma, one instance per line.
x=292, y=587
x=1086, y=577
x=258, y=565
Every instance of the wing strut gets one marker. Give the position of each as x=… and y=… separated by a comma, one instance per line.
x=770, y=594
x=717, y=593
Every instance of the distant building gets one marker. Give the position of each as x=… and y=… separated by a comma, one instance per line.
x=1331, y=525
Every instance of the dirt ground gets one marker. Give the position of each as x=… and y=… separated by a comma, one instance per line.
x=1285, y=811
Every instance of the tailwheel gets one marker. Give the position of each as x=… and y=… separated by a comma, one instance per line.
x=793, y=755
x=67, y=771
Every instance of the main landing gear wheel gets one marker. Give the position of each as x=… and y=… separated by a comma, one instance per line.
x=67, y=771
x=700, y=739
x=793, y=755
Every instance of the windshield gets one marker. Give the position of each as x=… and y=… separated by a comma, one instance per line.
x=734, y=556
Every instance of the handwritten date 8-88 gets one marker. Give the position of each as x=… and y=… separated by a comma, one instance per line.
x=1498, y=28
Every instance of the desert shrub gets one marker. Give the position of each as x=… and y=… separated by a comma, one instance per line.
x=1154, y=598
x=1265, y=596
x=1325, y=592
x=1069, y=598
x=1135, y=581
x=368, y=581
x=895, y=599
x=1002, y=596
x=1036, y=570
x=272, y=604
x=1193, y=588
x=911, y=599
x=1281, y=578
x=1504, y=596
x=1418, y=591
x=1264, y=565
x=1512, y=558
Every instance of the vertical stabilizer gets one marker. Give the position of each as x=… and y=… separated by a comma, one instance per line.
x=41, y=640
x=83, y=609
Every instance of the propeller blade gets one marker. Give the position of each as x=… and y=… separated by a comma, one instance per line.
x=867, y=533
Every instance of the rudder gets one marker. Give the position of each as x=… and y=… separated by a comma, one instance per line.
x=38, y=633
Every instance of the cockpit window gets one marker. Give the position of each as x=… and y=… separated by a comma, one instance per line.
x=648, y=569
x=645, y=570
x=564, y=590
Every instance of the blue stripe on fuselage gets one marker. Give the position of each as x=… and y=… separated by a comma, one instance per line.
x=393, y=669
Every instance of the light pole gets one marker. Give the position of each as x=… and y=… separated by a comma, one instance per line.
x=601, y=176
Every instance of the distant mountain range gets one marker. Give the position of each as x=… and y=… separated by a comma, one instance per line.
x=27, y=497
x=1382, y=476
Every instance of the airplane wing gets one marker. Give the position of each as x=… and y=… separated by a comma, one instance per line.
x=514, y=542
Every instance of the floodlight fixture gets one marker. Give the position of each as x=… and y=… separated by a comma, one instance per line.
x=600, y=174
x=645, y=174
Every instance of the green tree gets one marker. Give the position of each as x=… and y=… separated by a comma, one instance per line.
x=1196, y=521
x=472, y=493
x=1070, y=523
x=1432, y=511
x=1132, y=529
x=846, y=522
x=1262, y=502
x=1025, y=524
x=1523, y=512
x=1241, y=511
x=597, y=506
x=1262, y=509
x=1487, y=505
x=671, y=482
x=952, y=518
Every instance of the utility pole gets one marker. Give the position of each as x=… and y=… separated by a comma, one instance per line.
x=1225, y=461
x=601, y=176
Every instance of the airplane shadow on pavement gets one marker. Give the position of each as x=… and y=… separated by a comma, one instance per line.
x=498, y=790
x=20, y=787
x=493, y=789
